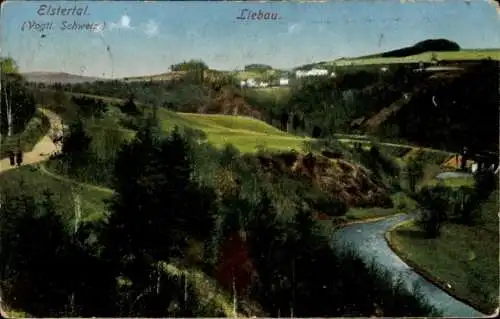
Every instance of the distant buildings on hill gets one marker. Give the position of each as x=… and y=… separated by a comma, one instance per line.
x=252, y=83
x=285, y=81
x=312, y=72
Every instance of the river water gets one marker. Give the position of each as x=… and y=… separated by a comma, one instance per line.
x=369, y=241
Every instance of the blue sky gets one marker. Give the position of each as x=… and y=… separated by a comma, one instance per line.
x=146, y=38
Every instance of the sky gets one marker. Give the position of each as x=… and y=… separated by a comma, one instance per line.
x=132, y=38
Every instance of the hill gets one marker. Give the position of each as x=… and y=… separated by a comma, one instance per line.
x=424, y=51
x=434, y=45
x=58, y=77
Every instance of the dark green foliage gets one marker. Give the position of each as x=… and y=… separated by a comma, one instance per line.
x=458, y=100
x=435, y=203
x=130, y=108
x=485, y=183
x=155, y=193
x=258, y=67
x=89, y=151
x=76, y=144
x=294, y=277
x=467, y=204
x=16, y=97
x=328, y=205
x=43, y=265
x=189, y=66
x=88, y=107
x=415, y=171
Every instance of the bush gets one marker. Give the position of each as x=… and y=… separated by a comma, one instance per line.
x=435, y=202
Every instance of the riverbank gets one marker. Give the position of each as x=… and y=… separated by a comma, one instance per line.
x=463, y=261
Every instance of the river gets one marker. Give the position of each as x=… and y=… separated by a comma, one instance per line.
x=369, y=241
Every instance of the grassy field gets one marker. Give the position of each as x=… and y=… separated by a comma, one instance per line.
x=274, y=92
x=422, y=57
x=245, y=75
x=452, y=182
x=245, y=133
x=92, y=200
x=402, y=204
x=465, y=257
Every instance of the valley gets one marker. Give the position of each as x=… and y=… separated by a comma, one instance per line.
x=366, y=189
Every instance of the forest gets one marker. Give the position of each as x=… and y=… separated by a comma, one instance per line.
x=180, y=227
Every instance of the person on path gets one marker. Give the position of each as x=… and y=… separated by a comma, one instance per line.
x=19, y=158
x=12, y=158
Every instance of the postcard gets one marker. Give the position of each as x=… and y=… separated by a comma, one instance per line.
x=249, y=158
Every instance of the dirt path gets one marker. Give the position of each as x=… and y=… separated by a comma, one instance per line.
x=44, y=170
x=42, y=150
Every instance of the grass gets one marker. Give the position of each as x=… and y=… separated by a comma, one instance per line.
x=210, y=297
x=466, y=257
x=92, y=200
x=278, y=93
x=36, y=128
x=452, y=182
x=402, y=204
x=245, y=133
x=245, y=75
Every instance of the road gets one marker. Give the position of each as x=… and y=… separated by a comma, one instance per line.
x=347, y=138
x=42, y=150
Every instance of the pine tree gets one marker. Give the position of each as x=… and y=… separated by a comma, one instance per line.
x=158, y=206
x=76, y=145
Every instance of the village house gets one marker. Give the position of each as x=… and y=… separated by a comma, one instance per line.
x=283, y=82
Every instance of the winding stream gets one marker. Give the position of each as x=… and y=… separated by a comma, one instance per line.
x=369, y=240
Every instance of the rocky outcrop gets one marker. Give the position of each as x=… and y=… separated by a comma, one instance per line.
x=348, y=182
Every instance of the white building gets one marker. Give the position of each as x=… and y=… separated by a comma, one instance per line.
x=283, y=82
x=251, y=83
x=312, y=72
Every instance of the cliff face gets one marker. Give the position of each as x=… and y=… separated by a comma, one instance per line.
x=348, y=182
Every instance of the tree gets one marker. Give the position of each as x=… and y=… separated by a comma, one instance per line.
x=316, y=132
x=34, y=247
x=157, y=202
x=76, y=145
x=130, y=107
x=415, y=171
x=17, y=104
x=435, y=202
x=8, y=65
x=485, y=183
x=468, y=204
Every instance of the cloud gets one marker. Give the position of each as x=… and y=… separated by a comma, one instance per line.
x=123, y=23
x=151, y=28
